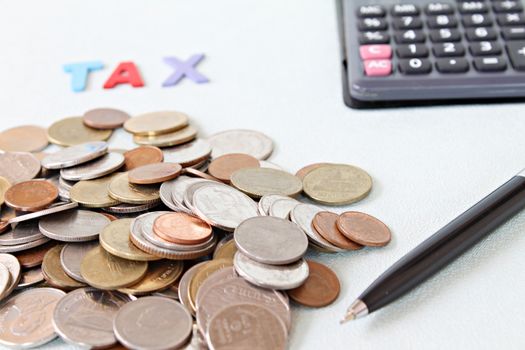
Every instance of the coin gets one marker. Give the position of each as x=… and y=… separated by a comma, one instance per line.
x=105, y=271
x=71, y=257
x=32, y=257
x=93, y=193
x=73, y=226
x=202, y=274
x=224, y=166
x=214, y=278
x=179, y=186
x=188, y=154
x=156, y=123
x=114, y=238
x=301, y=173
x=105, y=118
x=320, y=289
x=142, y=156
x=199, y=174
x=23, y=246
x=247, y=326
x=164, y=324
x=26, y=138
x=30, y=278
x=75, y=155
x=337, y=184
x=13, y=266
x=72, y=131
x=22, y=233
x=84, y=317
x=280, y=277
x=184, y=286
x=364, y=229
x=54, y=273
x=124, y=209
x=266, y=202
x=226, y=251
x=26, y=318
x=256, y=182
x=249, y=142
x=165, y=196
x=161, y=274
x=120, y=189
x=271, y=240
x=18, y=166
x=281, y=208
x=154, y=173
x=4, y=186
x=31, y=196
x=178, y=137
x=102, y=166
x=57, y=208
x=325, y=223
x=182, y=228
x=5, y=279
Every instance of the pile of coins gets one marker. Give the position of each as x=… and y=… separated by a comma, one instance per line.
x=180, y=243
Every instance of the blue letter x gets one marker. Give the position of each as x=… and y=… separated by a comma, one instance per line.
x=184, y=68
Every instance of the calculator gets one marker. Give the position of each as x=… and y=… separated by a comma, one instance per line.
x=413, y=52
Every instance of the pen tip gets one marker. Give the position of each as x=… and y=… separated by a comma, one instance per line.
x=348, y=317
x=356, y=310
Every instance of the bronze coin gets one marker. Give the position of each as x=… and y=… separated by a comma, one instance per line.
x=224, y=166
x=27, y=138
x=142, y=155
x=54, y=273
x=182, y=228
x=301, y=173
x=320, y=289
x=325, y=224
x=34, y=256
x=154, y=173
x=109, y=216
x=199, y=174
x=32, y=195
x=105, y=118
x=364, y=229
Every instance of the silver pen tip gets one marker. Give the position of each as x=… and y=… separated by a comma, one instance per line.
x=350, y=316
x=356, y=310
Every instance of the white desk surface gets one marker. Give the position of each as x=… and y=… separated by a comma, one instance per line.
x=274, y=67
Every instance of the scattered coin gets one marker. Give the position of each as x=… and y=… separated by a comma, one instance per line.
x=102, y=166
x=154, y=173
x=249, y=142
x=142, y=156
x=72, y=131
x=165, y=196
x=23, y=246
x=93, y=193
x=214, y=278
x=179, y=186
x=105, y=118
x=184, y=286
x=18, y=166
x=57, y=208
x=191, y=153
x=224, y=166
x=257, y=182
x=281, y=208
x=156, y=123
x=26, y=138
x=22, y=233
x=161, y=274
x=266, y=202
x=75, y=155
x=30, y=278
x=178, y=137
x=33, y=195
x=73, y=226
x=5, y=279
x=182, y=228
x=71, y=257
x=199, y=174
x=54, y=273
x=202, y=274
x=301, y=173
x=325, y=223
x=226, y=251
x=364, y=229
x=320, y=289
x=120, y=189
x=32, y=257
x=13, y=266
x=128, y=209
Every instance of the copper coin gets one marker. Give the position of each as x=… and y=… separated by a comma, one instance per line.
x=364, y=229
x=142, y=155
x=27, y=138
x=154, y=173
x=320, y=289
x=34, y=256
x=105, y=118
x=109, y=216
x=182, y=228
x=224, y=166
x=325, y=224
x=31, y=195
x=301, y=173
x=200, y=174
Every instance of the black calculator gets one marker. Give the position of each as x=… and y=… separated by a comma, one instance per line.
x=412, y=52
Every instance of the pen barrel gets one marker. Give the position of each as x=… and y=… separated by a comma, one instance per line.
x=447, y=244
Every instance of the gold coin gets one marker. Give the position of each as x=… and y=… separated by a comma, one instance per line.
x=54, y=273
x=4, y=186
x=226, y=251
x=26, y=138
x=257, y=182
x=93, y=193
x=121, y=190
x=114, y=238
x=161, y=275
x=156, y=123
x=72, y=131
x=166, y=140
x=202, y=274
x=105, y=271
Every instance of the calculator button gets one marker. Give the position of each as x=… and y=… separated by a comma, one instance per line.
x=410, y=36
x=490, y=64
x=442, y=21
x=372, y=24
x=511, y=19
x=407, y=22
x=405, y=10
x=415, y=66
x=516, y=52
x=485, y=48
x=439, y=8
x=507, y=6
x=371, y=11
x=374, y=38
x=448, y=50
x=452, y=65
x=480, y=34
x=445, y=35
x=513, y=33
x=472, y=7
x=477, y=20
x=412, y=50
x=378, y=68
x=369, y=52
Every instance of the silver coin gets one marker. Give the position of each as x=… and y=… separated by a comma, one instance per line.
x=5, y=279
x=184, y=286
x=56, y=208
x=94, y=169
x=125, y=208
x=266, y=202
x=303, y=215
x=18, y=166
x=220, y=275
x=75, y=155
x=223, y=206
x=188, y=196
x=63, y=194
x=73, y=226
x=12, y=264
x=249, y=142
x=266, y=164
x=153, y=323
x=190, y=153
x=71, y=256
x=271, y=240
x=281, y=208
x=222, y=242
x=66, y=184
x=165, y=196
x=30, y=277
x=178, y=189
x=23, y=246
x=84, y=317
x=24, y=232
x=280, y=277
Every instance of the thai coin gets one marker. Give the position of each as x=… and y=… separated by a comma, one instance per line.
x=5, y=279
x=301, y=173
x=202, y=274
x=249, y=142
x=179, y=186
x=226, y=251
x=22, y=233
x=93, y=193
x=66, y=184
x=72, y=131
x=257, y=182
x=73, y=226
x=156, y=123
x=325, y=223
x=84, y=317
x=281, y=208
x=337, y=184
x=71, y=257
x=105, y=118
x=224, y=166
x=57, y=208
x=124, y=208
x=270, y=165
x=32, y=195
x=266, y=202
x=32, y=257
x=154, y=173
x=218, y=276
x=4, y=186
x=122, y=190
x=164, y=324
x=33, y=311
x=102, y=166
x=13, y=266
x=105, y=271
x=75, y=155
x=271, y=240
x=160, y=275
x=191, y=153
x=30, y=278
x=178, y=137
x=184, y=286
x=249, y=326
x=24, y=246
x=364, y=229
x=223, y=206
x=18, y=166
x=54, y=273
x=320, y=289
x=182, y=228
x=26, y=138
x=141, y=156
x=188, y=196
x=165, y=196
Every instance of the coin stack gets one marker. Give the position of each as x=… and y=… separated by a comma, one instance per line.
x=180, y=243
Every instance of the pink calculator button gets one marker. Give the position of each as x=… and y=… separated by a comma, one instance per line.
x=378, y=68
x=370, y=52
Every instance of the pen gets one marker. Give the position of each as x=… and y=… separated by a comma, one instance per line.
x=442, y=248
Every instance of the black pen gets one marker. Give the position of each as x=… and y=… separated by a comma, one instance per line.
x=442, y=248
